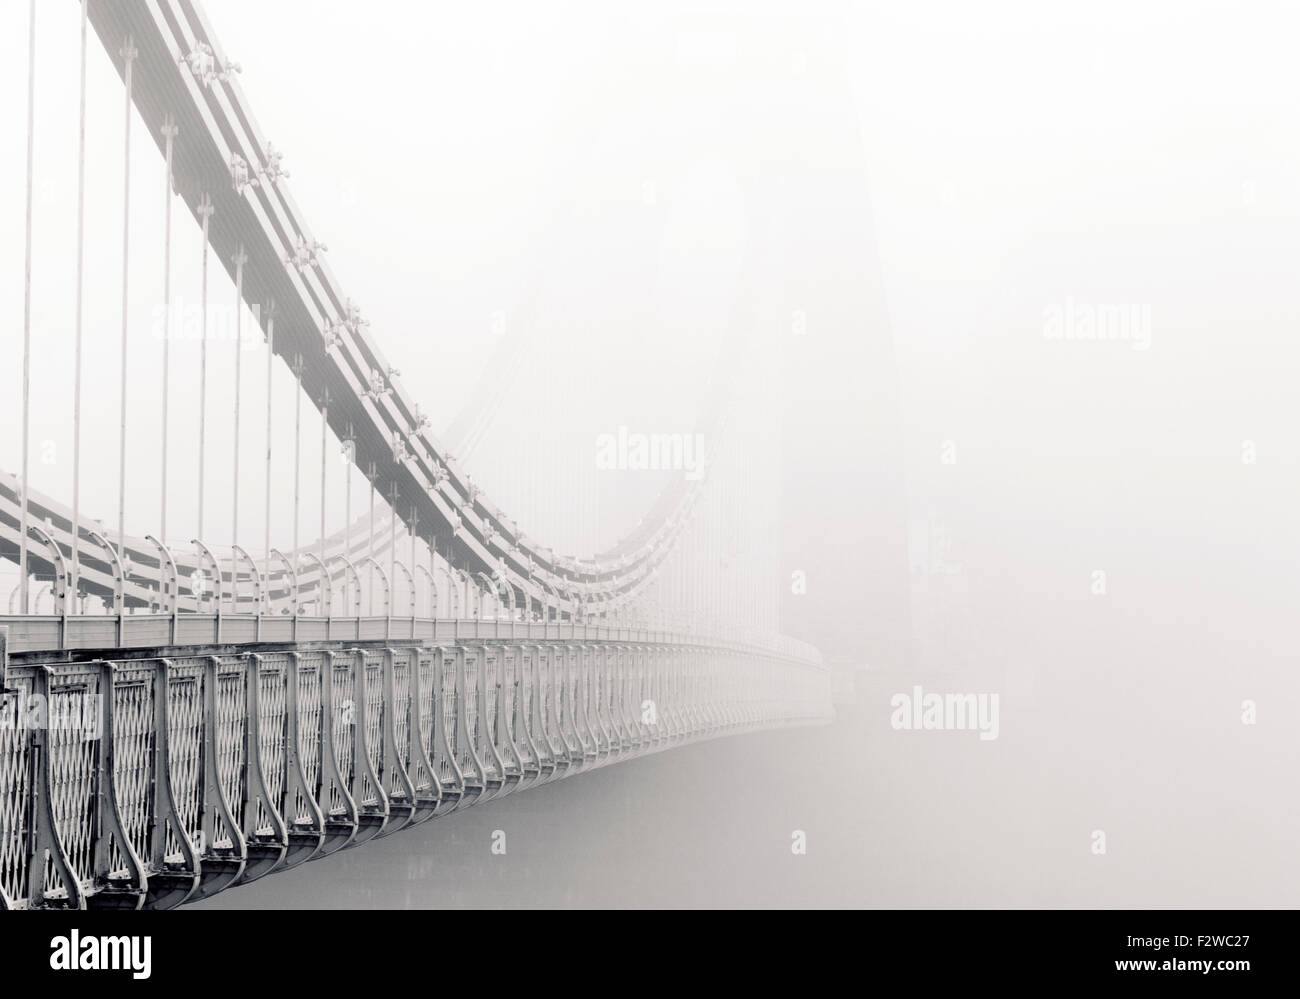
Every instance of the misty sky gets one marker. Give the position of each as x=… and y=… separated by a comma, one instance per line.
x=1100, y=531
x=476, y=170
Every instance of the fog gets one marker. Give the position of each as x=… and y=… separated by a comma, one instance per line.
x=1009, y=293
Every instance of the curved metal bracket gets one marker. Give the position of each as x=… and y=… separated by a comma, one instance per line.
x=410, y=581
x=433, y=590
x=464, y=582
x=236, y=553
x=555, y=602
x=60, y=586
x=453, y=592
x=293, y=581
x=169, y=581
x=383, y=578
x=355, y=576
x=503, y=584
x=510, y=594
x=323, y=587
x=119, y=576
x=490, y=587
x=531, y=591
x=205, y=553
x=565, y=597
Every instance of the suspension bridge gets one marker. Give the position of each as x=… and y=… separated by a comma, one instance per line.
x=179, y=719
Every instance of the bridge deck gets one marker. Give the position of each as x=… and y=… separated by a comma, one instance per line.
x=112, y=633
x=151, y=779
